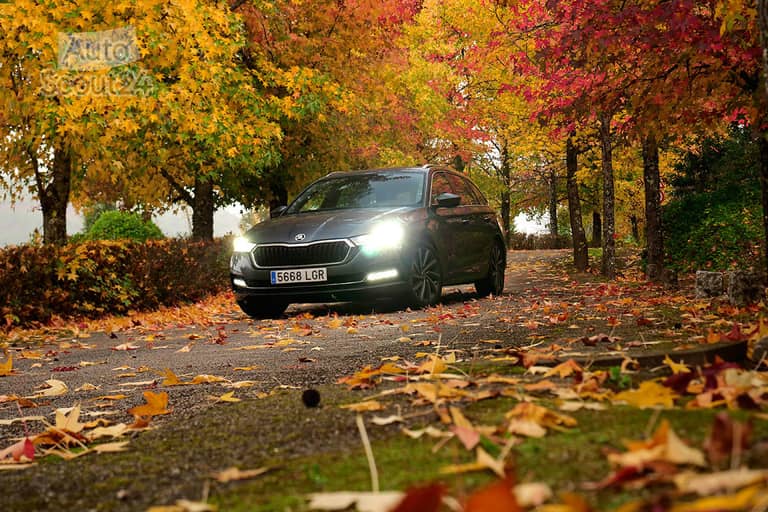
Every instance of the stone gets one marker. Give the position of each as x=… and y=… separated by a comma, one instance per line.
x=669, y=277
x=709, y=284
x=759, y=351
x=744, y=288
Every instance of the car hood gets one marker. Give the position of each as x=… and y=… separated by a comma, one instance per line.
x=328, y=225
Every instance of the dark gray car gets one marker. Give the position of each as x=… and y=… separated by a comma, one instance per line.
x=384, y=233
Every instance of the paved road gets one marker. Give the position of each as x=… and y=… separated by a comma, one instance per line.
x=313, y=344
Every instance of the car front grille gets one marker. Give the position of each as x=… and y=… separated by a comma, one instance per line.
x=322, y=253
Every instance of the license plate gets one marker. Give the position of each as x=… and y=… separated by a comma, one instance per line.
x=303, y=275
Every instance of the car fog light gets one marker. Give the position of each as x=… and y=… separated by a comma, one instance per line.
x=240, y=282
x=242, y=244
x=380, y=276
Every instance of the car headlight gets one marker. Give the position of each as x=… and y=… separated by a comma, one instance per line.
x=242, y=244
x=385, y=236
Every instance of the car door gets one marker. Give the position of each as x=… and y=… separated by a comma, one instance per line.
x=447, y=229
x=476, y=219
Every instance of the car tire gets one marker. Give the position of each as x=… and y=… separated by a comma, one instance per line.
x=493, y=283
x=259, y=309
x=425, y=280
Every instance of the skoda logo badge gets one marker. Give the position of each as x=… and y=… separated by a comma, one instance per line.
x=299, y=237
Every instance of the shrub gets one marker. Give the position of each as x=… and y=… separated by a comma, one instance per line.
x=95, y=278
x=117, y=225
x=523, y=241
x=717, y=231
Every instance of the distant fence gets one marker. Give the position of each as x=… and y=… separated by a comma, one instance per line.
x=527, y=242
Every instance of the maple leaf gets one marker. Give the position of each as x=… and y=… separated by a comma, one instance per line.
x=421, y=499
x=6, y=368
x=664, y=446
x=157, y=404
x=649, y=394
x=226, y=397
x=565, y=369
x=541, y=416
x=496, y=497
x=676, y=367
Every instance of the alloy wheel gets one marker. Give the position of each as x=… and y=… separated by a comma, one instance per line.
x=425, y=276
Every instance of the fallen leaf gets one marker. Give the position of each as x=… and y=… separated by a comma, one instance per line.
x=207, y=379
x=676, y=367
x=54, y=388
x=126, y=347
x=6, y=368
x=649, y=394
x=719, y=482
x=381, y=421
x=421, y=499
x=117, y=446
x=496, y=497
x=363, y=501
x=369, y=405
x=235, y=474
x=157, y=404
x=227, y=397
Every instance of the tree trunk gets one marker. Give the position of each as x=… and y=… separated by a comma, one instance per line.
x=553, y=203
x=202, y=210
x=635, y=228
x=580, y=252
x=597, y=229
x=762, y=15
x=654, y=238
x=54, y=196
x=506, y=203
x=764, y=187
x=608, y=266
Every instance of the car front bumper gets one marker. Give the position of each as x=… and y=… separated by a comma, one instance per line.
x=347, y=281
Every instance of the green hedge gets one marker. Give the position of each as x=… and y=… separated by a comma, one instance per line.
x=92, y=279
x=117, y=225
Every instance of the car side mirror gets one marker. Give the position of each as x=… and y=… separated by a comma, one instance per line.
x=448, y=200
x=276, y=212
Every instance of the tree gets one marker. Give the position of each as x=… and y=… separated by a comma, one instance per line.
x=162, y=97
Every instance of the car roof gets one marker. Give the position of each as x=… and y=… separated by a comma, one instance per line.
x=423, y=169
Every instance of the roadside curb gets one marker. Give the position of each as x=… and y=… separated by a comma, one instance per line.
x=732, y=352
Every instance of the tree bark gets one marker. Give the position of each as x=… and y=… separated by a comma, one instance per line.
x=635, y=228
x=202, y=210
x=553, y=203
x=54, y=195
x=654, y=237
x=506, y=203
x=762, y=21
x=764, y=188
x=597, y=229
x=608, y=266
x=580, y=251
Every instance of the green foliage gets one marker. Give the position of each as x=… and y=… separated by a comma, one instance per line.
x=92, y=213
x=117, y=225
x=714, y=219
x=92, y=279
x=715, y=231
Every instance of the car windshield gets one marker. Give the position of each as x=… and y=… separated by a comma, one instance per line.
x=369, y=190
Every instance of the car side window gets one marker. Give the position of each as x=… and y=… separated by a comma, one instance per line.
x=464, y=189
x=440, y=185
x=479, y=195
